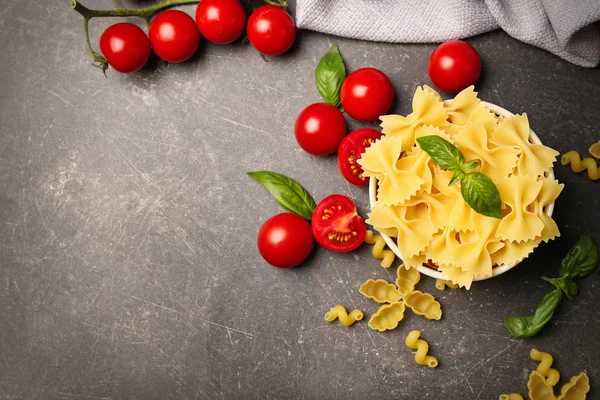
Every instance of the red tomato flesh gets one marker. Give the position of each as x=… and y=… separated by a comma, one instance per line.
x=351, y=150
x=285, y=240
x=336, y=225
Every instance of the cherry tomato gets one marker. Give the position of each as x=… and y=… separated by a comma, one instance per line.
x=271, y=30
x=336, y=224
x=367, y=94
x=285, y=240
x=351, y=150
x=125, y=46
x=174, y=36
x=221, y=21
x=320, y=128
x=454, y=66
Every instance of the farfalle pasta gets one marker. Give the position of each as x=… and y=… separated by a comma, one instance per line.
x=429, y=218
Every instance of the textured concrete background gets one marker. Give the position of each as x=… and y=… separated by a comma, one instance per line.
x=129, y=268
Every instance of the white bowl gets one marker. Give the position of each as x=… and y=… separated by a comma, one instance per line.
x=430, y=271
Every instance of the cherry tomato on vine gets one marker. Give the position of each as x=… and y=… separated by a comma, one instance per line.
x=351, y=150
x=125, y=46
x=285, y=240
x=320, y=128
x=174, y=36
x=336, y=225
x=271, y=30
x=220, y=21
x=454, y=66
x=367, y=93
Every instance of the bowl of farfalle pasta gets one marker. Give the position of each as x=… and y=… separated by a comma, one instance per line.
x=420, y=209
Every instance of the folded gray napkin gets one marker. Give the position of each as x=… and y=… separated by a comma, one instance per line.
x=568, y=28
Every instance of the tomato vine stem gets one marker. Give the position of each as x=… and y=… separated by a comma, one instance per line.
x=279, y=3
x=143, y=13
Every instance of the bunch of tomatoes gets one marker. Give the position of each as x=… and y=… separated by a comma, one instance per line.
x=175, y=36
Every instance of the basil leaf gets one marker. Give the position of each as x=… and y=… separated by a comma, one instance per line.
x=444, y=153
x=528, y=326
x=329, y=75
x=564, y=284
x=470, y=166
x=288, y=193
x=481, y=194
x=457, y=177
x=581, y=260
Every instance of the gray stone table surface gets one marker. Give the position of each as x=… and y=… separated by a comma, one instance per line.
x=128, y=259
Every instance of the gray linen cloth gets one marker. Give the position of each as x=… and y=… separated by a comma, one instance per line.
x=568, y=28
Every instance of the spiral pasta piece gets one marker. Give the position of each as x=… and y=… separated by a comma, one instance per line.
x=576, y=389
x=539, y=388
x=380, y=291
x=441, y=284
x=406, y=280
x=552, y=376
x=386, y=256
x=578, y=165
x=424, y=304
x=512, y=396
x=422, y=347
x=387, y=317
x=339, y=312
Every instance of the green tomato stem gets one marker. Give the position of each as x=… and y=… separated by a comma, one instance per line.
x=279, y=3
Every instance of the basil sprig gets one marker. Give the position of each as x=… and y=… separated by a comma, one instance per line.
x=289, y=194
x=478, y=190
x=329, y=75
x=579, y=262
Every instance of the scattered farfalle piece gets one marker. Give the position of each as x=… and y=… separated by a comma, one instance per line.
x=380, y=291
x=462, y=106
x=423, y=304
x=428, y=109
x=535, y=159
x=407, y=279
x=548, y=194
x=339, y=312
x=578, y=165
x=422, y=347
x=441, y=284
x=474, y=256
x=552, y=376
x=576, y=389
x=539, y=388
x=512, y=396
x=513, y=252
x=497, y=163
x=387, y=317
x=457, y=275
x=521, y=223
x=394, y=185
x=413, y=235
x=386, y=256
x=595, y=150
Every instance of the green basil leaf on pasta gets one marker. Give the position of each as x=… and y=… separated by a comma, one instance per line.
x=289, y=194
x=481, y=194
x=581, y=260
x=329, y=75
x=528, y=326
x=442, y=152
x=470, y=166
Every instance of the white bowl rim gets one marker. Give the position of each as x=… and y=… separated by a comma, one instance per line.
x=430, y=271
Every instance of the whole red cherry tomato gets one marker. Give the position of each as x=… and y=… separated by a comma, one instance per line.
x=285, y=240
x=125, y=46
x=351, y=150
x=367, y=94
x=336, y=225
x=271, y=30
x=454, y=66
x=174, y=36
x=320, y=128
x=220, y=21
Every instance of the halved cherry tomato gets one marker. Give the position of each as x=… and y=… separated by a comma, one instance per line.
x=351, y=150
x=336, y=225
